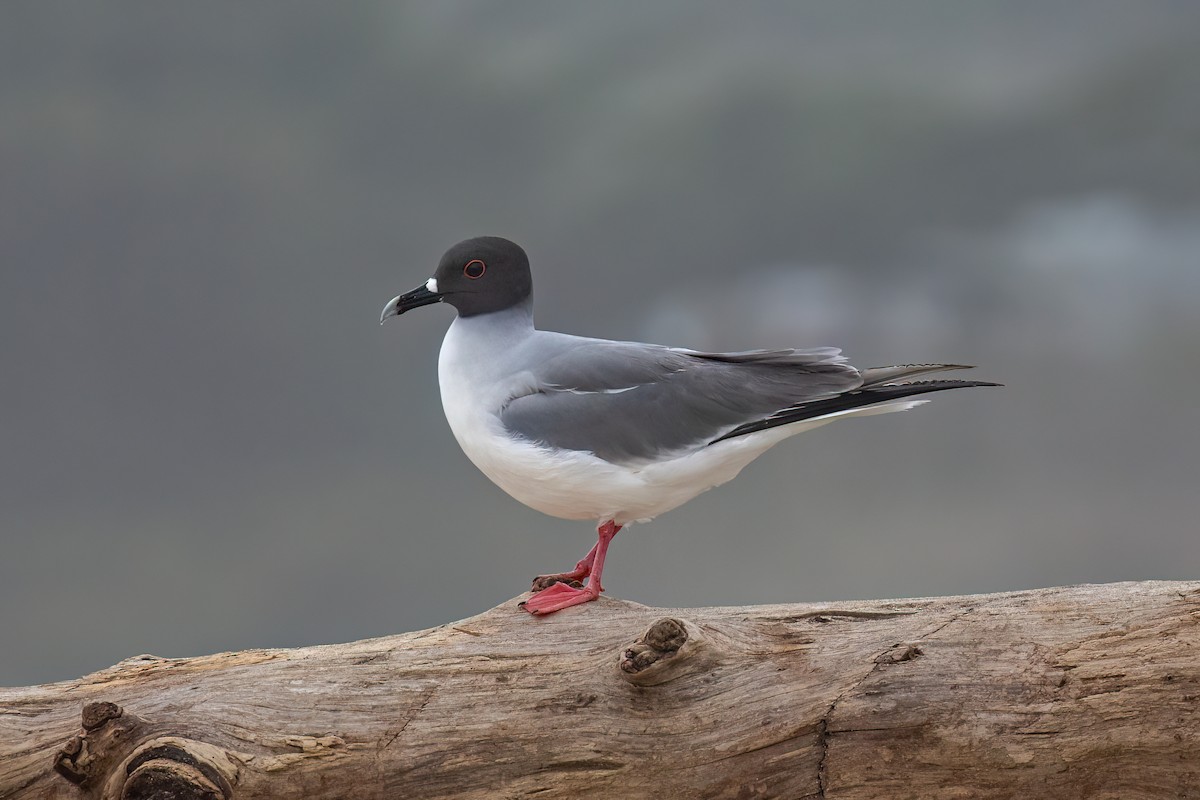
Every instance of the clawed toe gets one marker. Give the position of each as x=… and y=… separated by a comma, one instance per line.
x=558, y=597
x=543, y=582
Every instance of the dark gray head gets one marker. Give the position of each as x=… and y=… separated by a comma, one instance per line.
x=476, y=276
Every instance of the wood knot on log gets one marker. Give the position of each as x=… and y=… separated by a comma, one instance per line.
x=662, y=640
x=107, y=733
x=112, y=759
x=95, y=715
x=168, y=770
x=669, y=649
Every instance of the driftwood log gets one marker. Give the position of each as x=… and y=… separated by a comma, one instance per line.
x=1080, y=692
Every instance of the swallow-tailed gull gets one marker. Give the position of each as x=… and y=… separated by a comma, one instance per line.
x=620, y=432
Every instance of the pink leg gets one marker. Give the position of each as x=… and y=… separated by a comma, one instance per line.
x=581, y=571
x=561, y=595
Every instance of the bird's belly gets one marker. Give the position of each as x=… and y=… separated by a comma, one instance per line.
x=521, y=469
x=573, y=484
x=567, y=485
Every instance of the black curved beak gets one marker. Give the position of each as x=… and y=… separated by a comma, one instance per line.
x=418, y=297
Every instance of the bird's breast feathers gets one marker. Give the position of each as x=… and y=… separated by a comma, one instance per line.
x=576, y=484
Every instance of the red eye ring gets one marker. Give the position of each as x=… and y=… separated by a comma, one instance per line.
x=474, y=269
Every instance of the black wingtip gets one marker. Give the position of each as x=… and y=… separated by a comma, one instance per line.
x=859, y=398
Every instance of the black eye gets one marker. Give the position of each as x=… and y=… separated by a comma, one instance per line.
x=474, y=269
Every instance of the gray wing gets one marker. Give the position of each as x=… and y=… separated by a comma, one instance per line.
x=630, y=403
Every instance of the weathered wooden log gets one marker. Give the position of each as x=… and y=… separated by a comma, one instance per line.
x=1080, y=692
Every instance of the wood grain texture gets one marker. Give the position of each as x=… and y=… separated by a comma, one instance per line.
x=1078, y=692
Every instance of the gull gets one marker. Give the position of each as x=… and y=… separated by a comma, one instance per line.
x=620, y=432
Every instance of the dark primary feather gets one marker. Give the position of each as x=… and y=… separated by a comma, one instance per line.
x=867, y=396
x=631, y=403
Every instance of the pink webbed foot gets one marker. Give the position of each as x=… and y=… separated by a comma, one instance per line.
x=557, y=597
x=556, y=591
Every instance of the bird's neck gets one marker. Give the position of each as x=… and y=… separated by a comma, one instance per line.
x=508, y=324
x=474, y=351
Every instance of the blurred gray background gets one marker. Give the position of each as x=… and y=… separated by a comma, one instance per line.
x=209, y=444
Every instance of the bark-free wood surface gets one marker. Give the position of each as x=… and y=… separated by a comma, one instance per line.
x=1078, y=692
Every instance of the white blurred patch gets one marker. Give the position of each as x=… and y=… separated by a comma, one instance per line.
x=801, y=306
x=1107, y=270
x=1090, y=277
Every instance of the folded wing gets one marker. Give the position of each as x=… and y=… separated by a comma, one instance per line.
x=632, y=403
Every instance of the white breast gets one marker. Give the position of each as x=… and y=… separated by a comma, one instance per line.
x=474, y=389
